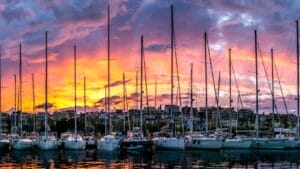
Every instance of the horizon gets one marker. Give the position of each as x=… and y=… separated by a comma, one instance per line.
x=228, y=24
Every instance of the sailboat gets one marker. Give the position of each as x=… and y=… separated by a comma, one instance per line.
x=47, y=142
x=108, y=142
x=21, y=143
x=90, y=139
x=4, y=142
x=207, y=140
x=167, y=140
x=135, y=140
x=75, y=141
x=238, y=141
x=263, y=143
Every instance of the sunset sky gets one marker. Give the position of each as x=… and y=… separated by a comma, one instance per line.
x=229, y=24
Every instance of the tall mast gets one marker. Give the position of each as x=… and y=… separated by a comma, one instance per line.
x=146, y=85
x=218, y=117
x=105, y=107
x=46, y=84
x=108, y=67
x=256, y=84
x=230, y=99
x=136, y=89
x=191, y=100
x=15, y=102
x=84, y=102
x=124, y=104
x=141, y=92
x=0, y=92
x=273, y=94
x=155, y=94
x=298, y=80
x=20, y=88
x=75, y=96
x=33, y=103
x=172, y=53
x=205, y=62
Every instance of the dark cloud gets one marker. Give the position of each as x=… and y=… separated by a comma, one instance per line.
x=42, y=106
x=161, y=48
x=114, y=101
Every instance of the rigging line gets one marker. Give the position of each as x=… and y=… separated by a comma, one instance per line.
x=266, y=73
x=146, y=85
x=177, y=69
x=212, y=73
x=280, y=86
x=214, y=85
x=237, y=87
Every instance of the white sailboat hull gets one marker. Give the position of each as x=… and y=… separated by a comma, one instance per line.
x=4, y=144
x=171, y=143
x=204, y=144
x=75, y=144
x=47, y=144
x=22, y=144
x=231, y=143
x=108, y=145
x=290, y=144
x=268, y=144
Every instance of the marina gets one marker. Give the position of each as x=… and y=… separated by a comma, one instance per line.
x=175, y=109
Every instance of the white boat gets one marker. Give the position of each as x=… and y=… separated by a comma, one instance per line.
x=4, y=143
x=200, y=141
x=47, y=143
x=75, y=142
x=22, y=144
x=135, y=140
x=240, y=142
x=266, y=143
x=166, y=141
x=108, y=143
x=290, y=142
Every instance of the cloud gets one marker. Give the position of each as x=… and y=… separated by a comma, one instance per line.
x=13, y=12
x=161, y=48
x=42, y=106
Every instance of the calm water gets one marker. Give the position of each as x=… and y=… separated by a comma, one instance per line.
x=158, y=159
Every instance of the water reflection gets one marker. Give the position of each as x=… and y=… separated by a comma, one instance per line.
x=158, y=159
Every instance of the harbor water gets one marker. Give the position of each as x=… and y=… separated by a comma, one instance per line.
x=157, y=159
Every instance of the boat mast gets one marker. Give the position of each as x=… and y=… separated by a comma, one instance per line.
x=141, y=92
x=15, y=103
x=124, y=104
x=205, y=62
x=105, y=107
x=230, y=99
x=20, y=88
x=218, y=117
x=33, y=103
x=191, y=100
x=84, y=102
x=172, y=67
x=75, y=94
x=273, y=94
x=0, y=92
x=146, y=85
x=172, y=49
x=136, y=95
x=46, y=84
x=298, y=80
x=155, y=94
x=108, y=68
x=256, y=84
